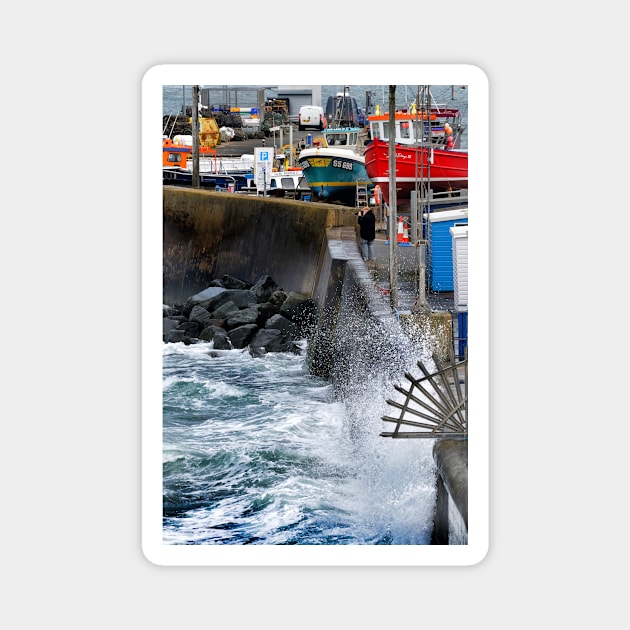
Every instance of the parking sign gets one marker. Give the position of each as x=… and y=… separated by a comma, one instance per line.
x=263, y=167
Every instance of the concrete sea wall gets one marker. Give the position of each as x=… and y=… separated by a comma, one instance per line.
x=208, y=234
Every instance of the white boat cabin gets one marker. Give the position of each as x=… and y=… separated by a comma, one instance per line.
x=440, y=127
x=281, y=184
x=346, y=137
x=352, y=139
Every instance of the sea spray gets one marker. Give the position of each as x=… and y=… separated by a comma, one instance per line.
x=259, y=450
x=371, y=353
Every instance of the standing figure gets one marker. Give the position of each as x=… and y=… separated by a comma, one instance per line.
x=367, y=232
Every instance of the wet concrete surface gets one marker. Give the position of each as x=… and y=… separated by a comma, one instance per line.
x=408, y=282
x=408, y=277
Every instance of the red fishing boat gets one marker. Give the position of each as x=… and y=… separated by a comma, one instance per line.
x=427, y=149
x=442, y=170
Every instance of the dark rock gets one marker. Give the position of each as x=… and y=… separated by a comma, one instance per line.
x=221, y=341
x=199, y=298
x=178, y=318
x=210, y=332
x=241, y=298
x=230, y=282
x=224, y=311
x=267, y=310
x=273, y=340
x=256, y=352
x=200, y=315
x=168, y=324
x=177, y=336
x=242, y=317
x=300, y=310
x=294, y=305
x=281, y=323
x=220, y=323
x=264, y=288
x=241, y=336
x=192, y=329
x=169, y=311
x=277, y=298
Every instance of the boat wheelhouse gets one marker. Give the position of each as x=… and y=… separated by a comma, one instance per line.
x=439, y=126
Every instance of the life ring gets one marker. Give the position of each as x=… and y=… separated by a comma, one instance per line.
x=377, y=195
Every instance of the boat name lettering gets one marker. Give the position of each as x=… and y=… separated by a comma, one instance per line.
x=317, y=162
x=342, y=164
x=304, y=164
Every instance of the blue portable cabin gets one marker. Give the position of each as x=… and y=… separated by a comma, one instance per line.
x=436, y=226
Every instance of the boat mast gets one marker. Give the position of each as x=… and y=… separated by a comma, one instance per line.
x=341, y=106
x=429, y=139
x=426, y=152
x=195, y=136
x=417, y=210
x=393, y=220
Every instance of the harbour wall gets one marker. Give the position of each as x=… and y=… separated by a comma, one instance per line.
x=309, y=248
x=208, y=234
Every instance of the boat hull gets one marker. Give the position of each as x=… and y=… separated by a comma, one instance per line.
x=333, y=175
x=177, y=176
x=445, y=170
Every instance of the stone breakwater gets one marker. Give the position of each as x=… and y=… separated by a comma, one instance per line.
x=234, y=314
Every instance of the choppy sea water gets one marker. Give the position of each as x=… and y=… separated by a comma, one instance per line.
x=257, y=451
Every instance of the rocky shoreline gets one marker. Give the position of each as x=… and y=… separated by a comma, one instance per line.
x=234, y=314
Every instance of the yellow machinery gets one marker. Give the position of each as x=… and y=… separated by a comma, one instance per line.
x=209, y=135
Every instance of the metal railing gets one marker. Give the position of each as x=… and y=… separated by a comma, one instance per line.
x=436, y=403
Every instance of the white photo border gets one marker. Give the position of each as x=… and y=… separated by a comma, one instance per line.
x=153, y=548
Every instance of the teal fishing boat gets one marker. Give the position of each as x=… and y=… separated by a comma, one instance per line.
x=334, y=164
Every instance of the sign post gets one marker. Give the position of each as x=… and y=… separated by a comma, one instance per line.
x=263, y=167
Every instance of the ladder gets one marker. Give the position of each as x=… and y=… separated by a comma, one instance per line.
x=362, y=196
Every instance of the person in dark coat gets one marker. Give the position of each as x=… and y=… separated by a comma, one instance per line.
x=367, y=232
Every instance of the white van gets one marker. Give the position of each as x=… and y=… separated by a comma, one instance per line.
x=311, y=116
